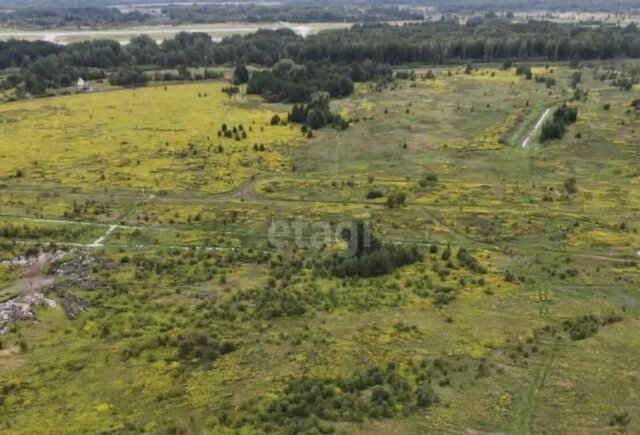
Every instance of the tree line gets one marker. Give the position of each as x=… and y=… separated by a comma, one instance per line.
x=55, y=16
x=326, y=61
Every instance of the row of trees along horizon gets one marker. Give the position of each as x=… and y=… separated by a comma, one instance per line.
x=329, y=61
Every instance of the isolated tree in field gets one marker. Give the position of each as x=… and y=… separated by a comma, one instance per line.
x=524, y=70
x=316, y=119
x=570, y=185
x=576, y=78
x=240, y=75
x=275, y=120
x=396, y=200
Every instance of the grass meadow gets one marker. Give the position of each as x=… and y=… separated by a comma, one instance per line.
x=185, y=320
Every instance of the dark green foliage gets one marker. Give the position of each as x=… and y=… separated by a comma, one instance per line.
x=317, y=113
x=240, y=75
x=375, y=393
x=576, y=78
x=548, y=81
x=470, y=262
x=446, y=254
x=316, y=119
x=429, y=180
x=524, y=70
x=625, y=83
x=396, y=200
x=329, y=61
x=443, y=295
x=425, y=396
x=587, y=325
x=96, y=13
x=552, y=130
x=406, y=75
x=380, y=262
x=128, y=77
x=360, y=239
x=294, y=83
x=375, y=193
x=231, y=90
x=508, y=276
x=570, y=185
x=368, y=257
x=280, y=302
x=202, y=347
x=298, y=114
x=556, y=127
x=620, y=419
x=275, y=120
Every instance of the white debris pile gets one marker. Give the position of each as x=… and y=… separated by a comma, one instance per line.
x=37, y=260
x=21, y=308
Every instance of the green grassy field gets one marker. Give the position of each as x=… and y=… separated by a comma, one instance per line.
x=187, y=321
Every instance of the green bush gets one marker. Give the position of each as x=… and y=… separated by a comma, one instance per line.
x=374, y=194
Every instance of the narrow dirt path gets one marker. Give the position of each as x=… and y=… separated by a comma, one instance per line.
x=534, y=130
x=100, y=240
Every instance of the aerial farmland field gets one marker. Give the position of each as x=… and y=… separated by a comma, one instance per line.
x=312, y=246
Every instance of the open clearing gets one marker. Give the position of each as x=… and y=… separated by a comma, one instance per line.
x=170, y=288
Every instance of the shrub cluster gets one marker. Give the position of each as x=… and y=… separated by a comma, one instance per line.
x=316, y=114
x=376, y=393
x=557, y=126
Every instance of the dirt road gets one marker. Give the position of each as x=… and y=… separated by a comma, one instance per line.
x=534, y=130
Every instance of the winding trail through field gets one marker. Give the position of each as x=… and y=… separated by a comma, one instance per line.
x=100, y=240
x=534, y=130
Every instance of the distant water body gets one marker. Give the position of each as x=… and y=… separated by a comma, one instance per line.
x=159, y=33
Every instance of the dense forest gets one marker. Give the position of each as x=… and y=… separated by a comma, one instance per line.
x=441, y=5
x=49, y=17
x=46, y=14
x=461, y=6
x=327, y=61
x=173, y=14
x=293, y=13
